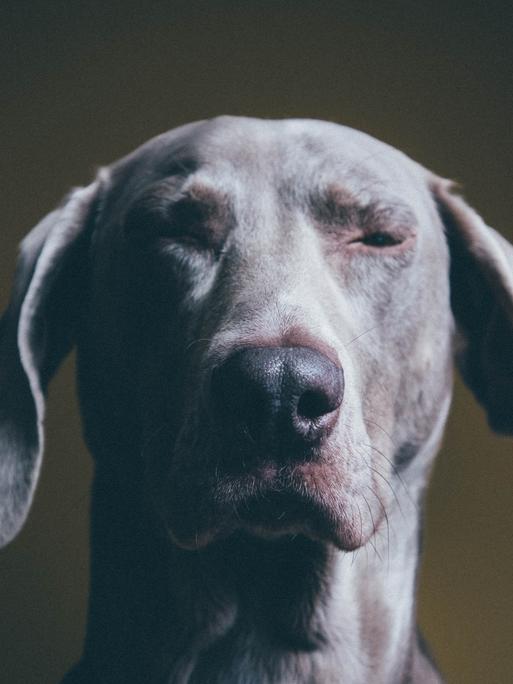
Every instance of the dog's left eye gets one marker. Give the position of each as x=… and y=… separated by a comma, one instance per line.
x=379, y=239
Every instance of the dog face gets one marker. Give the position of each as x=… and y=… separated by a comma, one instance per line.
x=264, y=325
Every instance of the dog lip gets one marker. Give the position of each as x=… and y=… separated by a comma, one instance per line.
x=281, y=508
x=289, y=512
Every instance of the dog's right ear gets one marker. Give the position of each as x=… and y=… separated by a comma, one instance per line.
x=36, y=332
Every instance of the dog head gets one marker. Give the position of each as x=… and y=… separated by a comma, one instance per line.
x=265, y=315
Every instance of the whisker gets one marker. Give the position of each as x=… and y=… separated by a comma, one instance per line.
x=388, y=483
x=396, y=473
x=385, y=479
x=361, y=522
x=385, y=515
x=355, y=552
x=366, y=420
x=346, y=344
x=373, y=527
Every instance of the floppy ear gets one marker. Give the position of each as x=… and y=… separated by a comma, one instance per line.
x=36, y=332
x=482, y=301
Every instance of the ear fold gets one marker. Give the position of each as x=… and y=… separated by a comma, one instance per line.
x=482, y=302
x=35, y=334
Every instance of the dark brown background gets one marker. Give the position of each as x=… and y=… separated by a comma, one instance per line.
x=82, y=85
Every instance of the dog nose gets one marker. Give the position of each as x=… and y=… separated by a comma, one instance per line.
x=278, y=398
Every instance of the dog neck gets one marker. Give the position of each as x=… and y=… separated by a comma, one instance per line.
x=291, y=609
x=298, y=610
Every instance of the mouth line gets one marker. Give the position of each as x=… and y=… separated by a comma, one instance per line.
x=281, y=512
x=278, y=504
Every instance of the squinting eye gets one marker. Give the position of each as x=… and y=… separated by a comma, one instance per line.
x=184, y=221
x=380, y=240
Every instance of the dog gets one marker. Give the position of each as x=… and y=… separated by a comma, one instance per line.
x=266, y=316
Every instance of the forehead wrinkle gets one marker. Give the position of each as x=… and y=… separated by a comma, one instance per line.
x=336, y=202
x=329, y=176
x=174, y=188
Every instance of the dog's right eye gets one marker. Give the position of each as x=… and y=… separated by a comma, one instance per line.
x=191, y=222
x=186, y=221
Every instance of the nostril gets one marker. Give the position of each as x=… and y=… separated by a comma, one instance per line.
x=314, y=404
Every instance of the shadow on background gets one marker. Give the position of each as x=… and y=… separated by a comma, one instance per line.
x=83, y=83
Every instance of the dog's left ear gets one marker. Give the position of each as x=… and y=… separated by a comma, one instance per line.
x=36, y=332
x=481, y=277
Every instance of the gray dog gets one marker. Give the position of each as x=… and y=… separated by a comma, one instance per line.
x=266, y=315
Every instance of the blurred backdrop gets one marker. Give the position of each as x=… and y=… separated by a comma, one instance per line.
x=85, y=82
